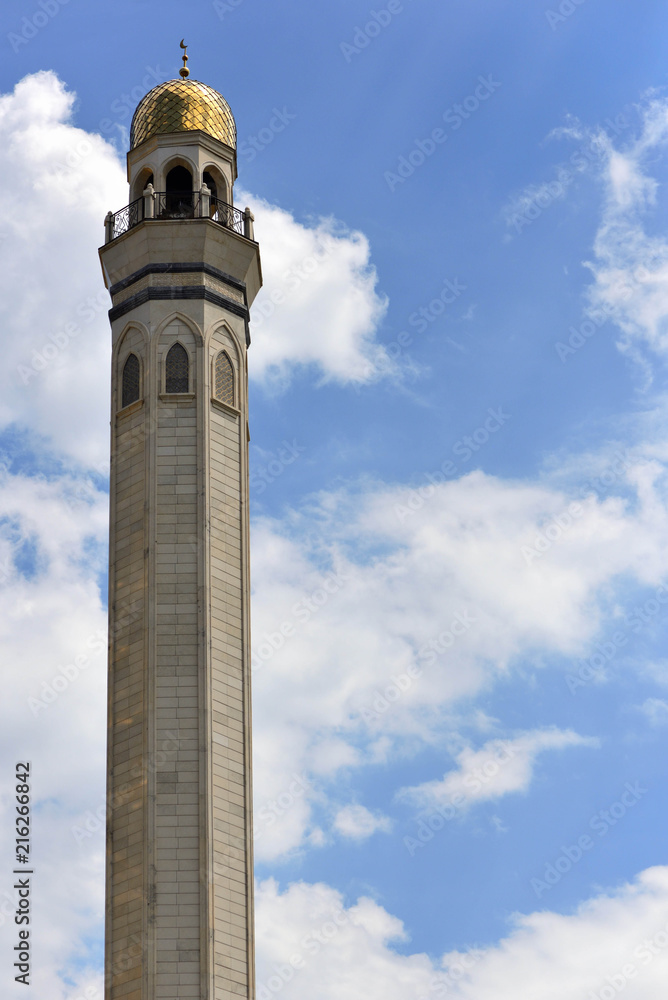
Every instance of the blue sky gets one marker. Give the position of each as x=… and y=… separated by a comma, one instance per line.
x=458, y=415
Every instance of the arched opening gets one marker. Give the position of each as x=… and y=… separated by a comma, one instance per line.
x=142, y=181
x=130, y=381
x=177, y=369
x=178, y=200
x=211, y=184
x=217, y=184
x=224, y=379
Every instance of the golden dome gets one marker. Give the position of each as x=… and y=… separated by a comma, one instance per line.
x=183, y=106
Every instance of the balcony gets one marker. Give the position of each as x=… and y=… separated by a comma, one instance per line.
x=174, y=205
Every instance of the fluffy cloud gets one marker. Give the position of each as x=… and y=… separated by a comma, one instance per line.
x=59, y=183
x=319, y=306
x=430, y=596
x=656, y=711
x=496, y=769
x=358, y=823
x=306, y=934
x=53, y=537
x=376, y=586
x=630, y=265
x=310, y=943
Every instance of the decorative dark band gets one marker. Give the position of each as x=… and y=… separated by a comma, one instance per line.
x=180, y=292
x=202, y=267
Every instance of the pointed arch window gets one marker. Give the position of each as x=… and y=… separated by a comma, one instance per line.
x=177, y=369
x=224, y=379
x=130, y=380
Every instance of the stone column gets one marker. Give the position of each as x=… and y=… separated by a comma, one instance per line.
x=108, y=227
x=205, y=201
x=149, y=202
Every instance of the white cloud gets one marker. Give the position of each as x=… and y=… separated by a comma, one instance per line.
x=616, y=942
x=658, y=671
x=358, y=823
x=498, y=768
x=319, y=306
x=413, y=581
x=532, y=201
x=53, y=535
x=528, y=204
x=429, y=600
x=59, y=183
x=336, y=951
x=656, y=710
x=630, y=266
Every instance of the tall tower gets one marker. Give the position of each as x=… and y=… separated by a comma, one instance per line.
x=182, y=267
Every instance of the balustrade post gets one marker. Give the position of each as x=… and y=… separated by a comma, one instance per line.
x=149, y=202
x=108, y=227
x=249, y=219
x=205, y=201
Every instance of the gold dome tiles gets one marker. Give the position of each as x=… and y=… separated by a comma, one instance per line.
x=183, y=106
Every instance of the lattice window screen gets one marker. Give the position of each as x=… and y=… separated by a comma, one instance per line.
x=130, y=389
x=176, y=369
x=224, y=379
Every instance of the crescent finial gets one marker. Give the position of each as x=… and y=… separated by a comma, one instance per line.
x=184, y=73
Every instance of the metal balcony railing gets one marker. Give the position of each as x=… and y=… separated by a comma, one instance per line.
x=228, y=216
x=176, y=204
x=162, y=205
x=119, y=223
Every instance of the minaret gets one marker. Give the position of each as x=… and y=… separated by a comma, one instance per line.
x=182, y=267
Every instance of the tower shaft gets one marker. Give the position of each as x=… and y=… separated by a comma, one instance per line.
x=179, y=920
